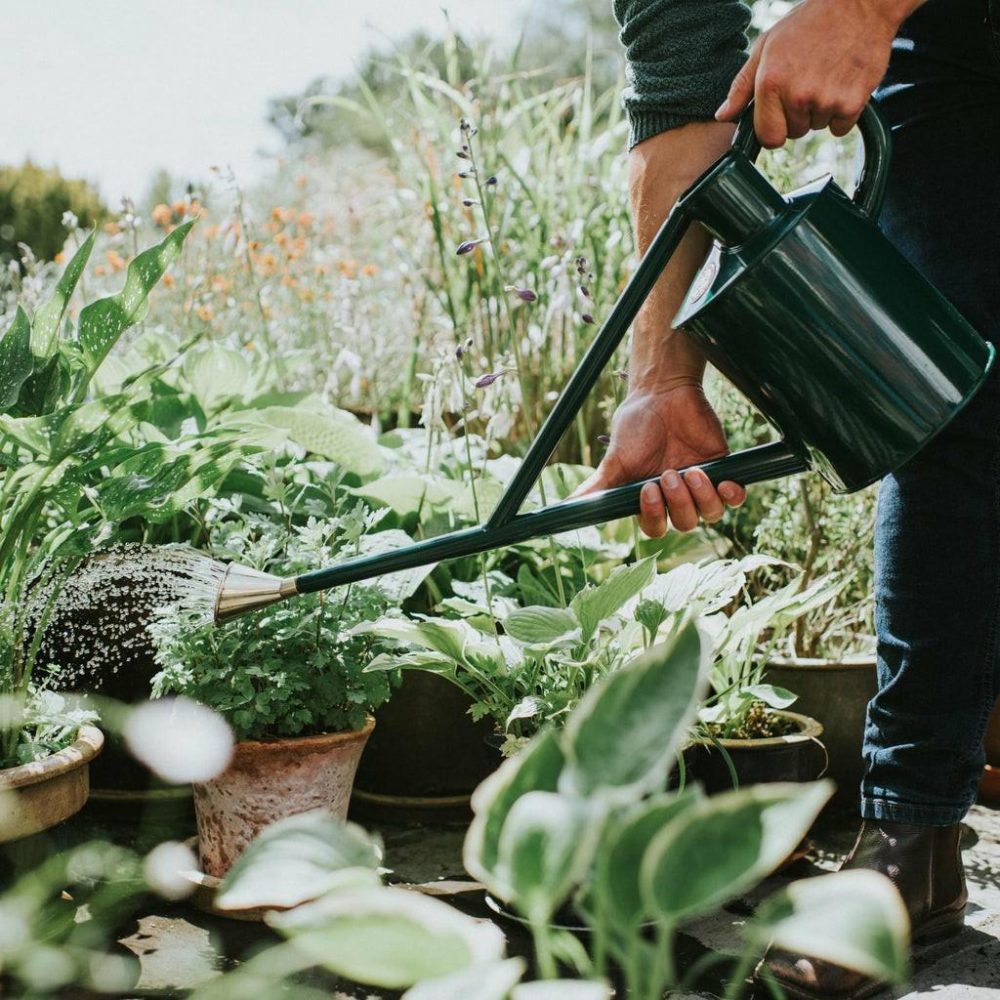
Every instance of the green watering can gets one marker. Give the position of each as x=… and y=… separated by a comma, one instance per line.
x=852, y=355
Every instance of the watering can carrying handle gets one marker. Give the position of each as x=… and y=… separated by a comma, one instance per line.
x=877, y=140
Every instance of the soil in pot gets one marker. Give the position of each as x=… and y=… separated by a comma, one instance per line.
x=42, y=794
x=268, y=780
x=426, y=756
x=835, y=694
x=797, y=755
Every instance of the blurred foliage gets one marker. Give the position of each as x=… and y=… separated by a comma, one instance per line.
x=33, y=203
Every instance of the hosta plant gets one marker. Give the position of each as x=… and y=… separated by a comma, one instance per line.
x=580, y=819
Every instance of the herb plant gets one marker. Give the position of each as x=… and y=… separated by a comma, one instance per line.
x=296, y=668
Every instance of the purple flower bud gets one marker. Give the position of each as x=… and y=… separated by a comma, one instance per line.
x=468, y=343
x=491, y=181
x=485, y=380
x=524, y=294
x=464, y=124
x=459, y=351
x=462, y=154
x=469, y=202
x=587, y=318
x=585, y=291
x=604, y=439
x=468, y=246
x=467, y=173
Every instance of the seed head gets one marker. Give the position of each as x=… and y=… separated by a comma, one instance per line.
x=469, y=202
x=524, y=294
x=587, y=318
x=462, y=154
x=486, y=380
x=468, y=246
x=491, y=181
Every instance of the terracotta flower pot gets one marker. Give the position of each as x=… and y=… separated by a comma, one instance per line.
x=836, y=694
x=268, y=780
x=37, y=796
x=798, y=756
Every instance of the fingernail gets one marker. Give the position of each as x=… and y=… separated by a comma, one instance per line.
x=671, y=480
x=727, y=492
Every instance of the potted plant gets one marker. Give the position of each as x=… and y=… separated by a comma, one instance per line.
x=289, y=680
x=61, y=450
x=746, y=732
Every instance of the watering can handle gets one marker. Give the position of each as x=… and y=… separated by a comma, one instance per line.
x=877, y=140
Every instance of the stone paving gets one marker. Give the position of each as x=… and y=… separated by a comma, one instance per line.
x=180, y=946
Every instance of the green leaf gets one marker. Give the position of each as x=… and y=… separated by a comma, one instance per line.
x=389, y=937
x=546, y=846
x=441, y=635
x=562, y=989
x=16, y=362
x=775, y=697
x=541, y=625
x=617, y=885
x=493, y=981
x=725, y=845
x=104, y=321
x=216, y=374
x=404, y=583
x=29, y=432
x=330, y=433
x=536, y=768
x=622, y=738
x=594, y=604
x=855, y=919
x=298, y=859
x=45, y=328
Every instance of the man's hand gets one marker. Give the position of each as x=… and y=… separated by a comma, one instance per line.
x=816, y=67
x=667, y=429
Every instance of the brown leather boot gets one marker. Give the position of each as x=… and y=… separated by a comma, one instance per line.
x=925, y=865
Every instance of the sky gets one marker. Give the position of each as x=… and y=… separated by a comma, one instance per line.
x=112, y=90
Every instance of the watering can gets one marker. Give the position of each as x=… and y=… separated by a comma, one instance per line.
x=847, y=350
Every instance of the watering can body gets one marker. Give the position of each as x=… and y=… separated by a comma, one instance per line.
x=821, y=322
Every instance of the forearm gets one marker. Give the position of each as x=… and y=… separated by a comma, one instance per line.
x=661, y=169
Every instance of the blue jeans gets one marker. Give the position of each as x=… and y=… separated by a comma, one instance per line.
x=937, y=538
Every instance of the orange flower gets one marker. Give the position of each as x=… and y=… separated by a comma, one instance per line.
x=179, y=207
x=100, y=271
x=320, y=270
x=59, y=257
x=116, y=260
x=221, y=285
x=279, y=214
x=162, y=215
x=306, y=220
x=289, y=282
x=112, y=228
x=369, y=270
x=266, y=263
x=281, y=239
x=307, y=294
x=168, y=280
x=204, y=313
x=301, y=181
x=348, y=268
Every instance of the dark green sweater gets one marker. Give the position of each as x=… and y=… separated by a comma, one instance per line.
x=681, y=56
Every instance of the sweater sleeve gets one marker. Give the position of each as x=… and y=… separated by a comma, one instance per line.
x=680, y=58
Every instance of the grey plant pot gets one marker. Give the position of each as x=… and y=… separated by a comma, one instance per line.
x=835, y=693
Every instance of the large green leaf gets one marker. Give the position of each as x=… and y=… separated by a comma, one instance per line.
x=329, y=433
x=725, y=845
x=622, y=738
x=538, y=625
x=45, y=328
x=856, y=919
x=216, y=374
x=535, y=768
x=389, y=937
x=593, y=604
x=402, y=584
x=298, y=859
x=617, y=886
x=16, y=362
x=491, y=981
x=104, y=321
x=29, y=432
x=546, y=846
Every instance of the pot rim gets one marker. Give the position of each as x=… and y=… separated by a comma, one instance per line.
x=809, y=729
x=87, y=745
x=857, y=661
x=305, y=742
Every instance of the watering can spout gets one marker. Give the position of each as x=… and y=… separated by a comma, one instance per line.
x=244, y=589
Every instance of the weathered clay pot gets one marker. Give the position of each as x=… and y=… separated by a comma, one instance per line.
x=37, y=796
x=836, y=694
x=268, y=780
x=798, y=756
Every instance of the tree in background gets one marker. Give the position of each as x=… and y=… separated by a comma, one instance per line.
x=33, y=201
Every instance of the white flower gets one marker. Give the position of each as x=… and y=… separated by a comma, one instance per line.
x=166, y=868
x=69, y=220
